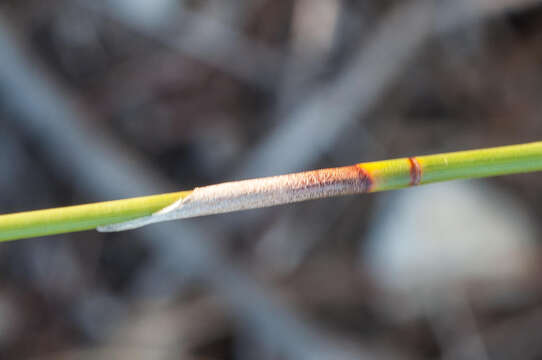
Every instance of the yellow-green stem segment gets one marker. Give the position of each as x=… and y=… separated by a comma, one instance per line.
x=81, y=217
x=378, y=176
x=398, y=173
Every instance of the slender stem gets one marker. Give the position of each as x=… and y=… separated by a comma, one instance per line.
x=81, y=217
x=248, y=194
x=400, y=173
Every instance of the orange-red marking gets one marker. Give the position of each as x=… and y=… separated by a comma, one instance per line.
x=353, y=177
x=364, y=176
x=415, y=171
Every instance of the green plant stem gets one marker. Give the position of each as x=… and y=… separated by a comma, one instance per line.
x=248, y=194
x=81, y=217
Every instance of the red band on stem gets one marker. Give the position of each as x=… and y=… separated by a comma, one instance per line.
x=415, y=171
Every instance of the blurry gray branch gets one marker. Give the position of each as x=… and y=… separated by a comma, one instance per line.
x=208, y=40
x=314, y=126
x=96, y=164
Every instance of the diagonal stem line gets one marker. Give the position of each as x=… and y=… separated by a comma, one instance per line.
x=227, y=197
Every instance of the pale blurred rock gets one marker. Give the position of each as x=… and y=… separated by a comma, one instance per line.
x=433, y=240
x=151, y=14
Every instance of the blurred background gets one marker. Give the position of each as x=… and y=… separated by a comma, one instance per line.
x=109, y=99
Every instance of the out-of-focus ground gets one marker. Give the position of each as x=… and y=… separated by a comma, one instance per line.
x=116, y=98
